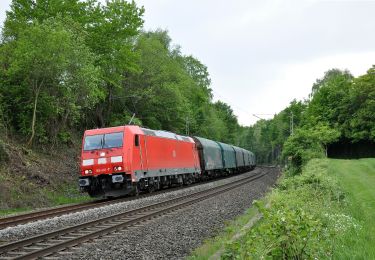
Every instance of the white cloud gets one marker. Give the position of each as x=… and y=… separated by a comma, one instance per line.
x=295, y=81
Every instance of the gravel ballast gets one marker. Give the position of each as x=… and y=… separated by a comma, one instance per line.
x=174, y=236
x=47, y=225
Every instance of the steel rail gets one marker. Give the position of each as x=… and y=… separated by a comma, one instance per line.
x=38, y=215
x=50, y=243
x=48, y=213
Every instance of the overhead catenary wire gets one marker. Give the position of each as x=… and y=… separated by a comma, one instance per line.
x=238, y=107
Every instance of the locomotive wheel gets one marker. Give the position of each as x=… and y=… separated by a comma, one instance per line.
x=151, y=188
x=136, y=190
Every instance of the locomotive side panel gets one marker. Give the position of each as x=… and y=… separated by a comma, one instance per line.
x=166, y=156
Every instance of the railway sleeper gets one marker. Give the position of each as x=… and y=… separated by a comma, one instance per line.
x=33, y=248
x=44, y=244
x=50, y=257
x=70, y=237
x=63, y=253
x=12, y=253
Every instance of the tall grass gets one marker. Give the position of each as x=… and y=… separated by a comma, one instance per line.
x=357, y=178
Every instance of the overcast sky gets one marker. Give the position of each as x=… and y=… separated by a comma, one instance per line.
x=261, y=54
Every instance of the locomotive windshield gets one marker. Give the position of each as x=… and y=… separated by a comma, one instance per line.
x=94, y=142
x=113, y=140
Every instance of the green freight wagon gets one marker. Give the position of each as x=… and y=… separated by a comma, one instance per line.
x=247, y=158
x=228, y=156
x=239, y=157
x=209, y=154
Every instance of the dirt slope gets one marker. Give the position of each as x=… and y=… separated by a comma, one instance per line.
x=37, y=178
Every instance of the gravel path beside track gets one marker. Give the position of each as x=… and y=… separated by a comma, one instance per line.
x=42, y=226
x=176, y=235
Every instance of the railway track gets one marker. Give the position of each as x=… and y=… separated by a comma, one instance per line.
x=44, y=214
x=64, y=241
x=38, y=215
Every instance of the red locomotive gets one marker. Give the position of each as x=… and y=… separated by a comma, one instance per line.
x=127, y=159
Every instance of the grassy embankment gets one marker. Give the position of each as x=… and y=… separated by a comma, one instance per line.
x=327, y=212
x=31, y=179
x=56, y=196
x=357, y=178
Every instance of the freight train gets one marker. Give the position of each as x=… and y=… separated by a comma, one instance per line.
x=129, y=159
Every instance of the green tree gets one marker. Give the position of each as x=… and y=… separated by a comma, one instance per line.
x=324, y=135
x=300, y=148
x=330, y=99
x=199, y=73
x=109, y=31
x=158, y=92
x=25, y=13
x=69, y=65
x=225, y=113
x=360, y=125
x=111, y=36
x=52, y=62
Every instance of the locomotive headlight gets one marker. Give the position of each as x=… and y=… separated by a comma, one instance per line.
x=117, y=168
x=116, y=159
x=88, y=162
x=88, y=171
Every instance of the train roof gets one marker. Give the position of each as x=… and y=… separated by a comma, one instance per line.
x=105, y=130
x=167, y=134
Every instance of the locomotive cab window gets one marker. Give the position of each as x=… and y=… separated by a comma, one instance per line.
x=111, y=140
x=136, y=140
x=93, y=142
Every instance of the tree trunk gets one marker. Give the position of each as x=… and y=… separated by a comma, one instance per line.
x=99, y=116
x=30, y=142
x=110, y=97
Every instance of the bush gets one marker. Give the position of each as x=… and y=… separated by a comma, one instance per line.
x=283, y=234
x=303, y=220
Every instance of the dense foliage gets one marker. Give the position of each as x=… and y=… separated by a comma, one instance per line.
x=340, y=108
x=71, y=65
x=307, y=216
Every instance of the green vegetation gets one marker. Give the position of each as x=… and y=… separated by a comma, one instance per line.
x=339, y=109
x=5, y=212
x=31, y=179
x=357, y=178
x=66, y=66
x=322, y=208
x=326, y=212
x=68, y=194
x=24, y=187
